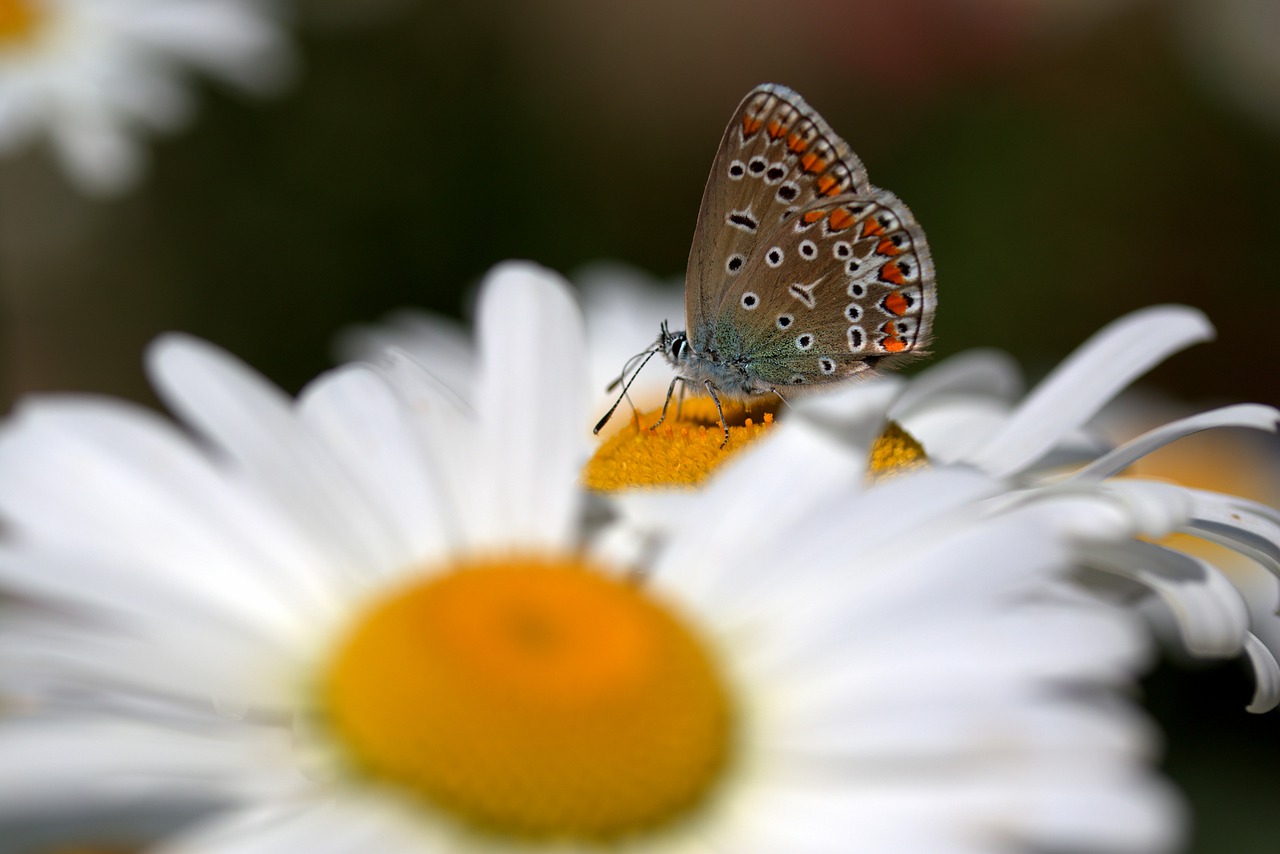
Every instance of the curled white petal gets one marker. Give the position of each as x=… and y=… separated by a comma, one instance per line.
x=1080, y=386
x=1251, y=415
x=1212, y=616
x=1266, y=676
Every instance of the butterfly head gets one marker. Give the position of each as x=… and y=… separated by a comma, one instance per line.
x=674, y=346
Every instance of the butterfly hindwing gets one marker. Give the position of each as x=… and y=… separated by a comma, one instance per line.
x=777, y=157
x=838, y=286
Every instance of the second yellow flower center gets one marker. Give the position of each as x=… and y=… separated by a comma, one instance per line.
x=534, y=698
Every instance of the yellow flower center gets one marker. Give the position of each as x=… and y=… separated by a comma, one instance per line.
x=894, y=452
x=19, y=20
x=535, y=698
x=682, y=452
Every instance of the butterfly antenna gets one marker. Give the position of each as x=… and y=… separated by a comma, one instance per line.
x=626, y=369
x=605, y=420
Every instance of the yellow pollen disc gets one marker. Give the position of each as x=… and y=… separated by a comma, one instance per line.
x=683, y=451
x=894, y=452
x=18, y=20
x=533, y=698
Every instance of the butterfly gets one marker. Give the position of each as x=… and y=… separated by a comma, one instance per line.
x=802, y=275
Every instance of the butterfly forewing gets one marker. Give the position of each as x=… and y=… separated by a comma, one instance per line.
x=836, y=287
x=777, y=157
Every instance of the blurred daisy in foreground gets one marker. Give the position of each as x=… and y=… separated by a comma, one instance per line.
x=396, y=607
x=92, y=75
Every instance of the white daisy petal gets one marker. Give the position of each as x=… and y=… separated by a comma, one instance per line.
x=1080, y=386
x=1251, y=415
x=112, y=480
x=1250, y=528
x=440, y=344
x=1266, y=676
x=339, y=826
x=253, y=423
x=364, y=423
x=73, y=764
x=528, y=317
x=1211, y=614
x=985, y=373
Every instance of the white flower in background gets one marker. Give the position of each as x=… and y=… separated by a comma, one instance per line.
x=623, y=308
x=92, y=75
x=1233, y=46
x=415, y=646
x=964, y=411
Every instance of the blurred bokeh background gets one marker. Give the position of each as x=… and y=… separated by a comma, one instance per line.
x=1070, y=160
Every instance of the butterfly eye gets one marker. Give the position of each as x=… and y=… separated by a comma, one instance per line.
x=757, y=165
x=842, y=249
x=808, y=249
x=852, y=267
x=788, y=192
x=888, y=221
x=750, y=301
x=773, y=257
x=804, y=342
x=775, y=174
x=856, y=290
x=796, y=380
x=856, y=339
x=734, y=264
x=827, y=366
x=853, y=312
x=784, y=320
x=736, y=170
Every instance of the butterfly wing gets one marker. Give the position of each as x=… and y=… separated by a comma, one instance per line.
x=777, y=157
x=834, y=289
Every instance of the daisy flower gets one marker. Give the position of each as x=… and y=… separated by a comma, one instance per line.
x=376, y=619
x=91, y=75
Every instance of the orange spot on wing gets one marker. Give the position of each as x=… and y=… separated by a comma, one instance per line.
x=813, y=163
x=813, y=216
x=886, y=247
x=871, y=227
x=828, y=185
x=796, y=144
x=892, y=273
x=893, y=344
x=896, y=303
x=750, y=125
x=841, y=219
x=776, y=130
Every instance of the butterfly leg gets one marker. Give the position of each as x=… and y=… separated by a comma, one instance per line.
x=671, y=389
x=724, y=425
